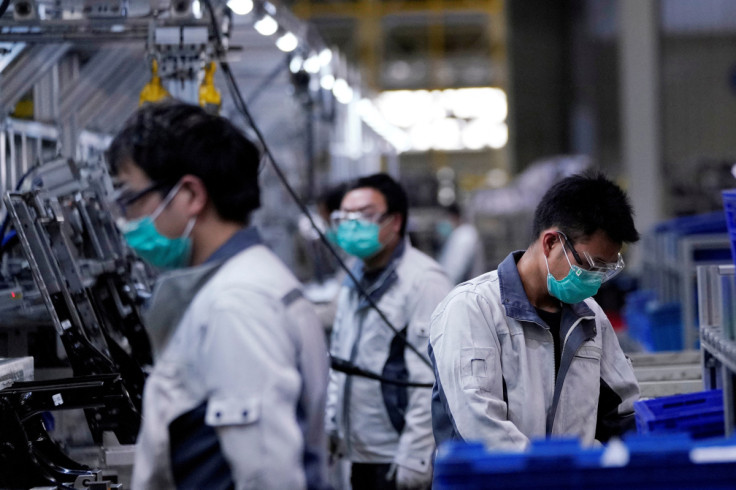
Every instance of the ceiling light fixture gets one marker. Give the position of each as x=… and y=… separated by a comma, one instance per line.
x=287, y=43
x=266, y=26
x=240, y=7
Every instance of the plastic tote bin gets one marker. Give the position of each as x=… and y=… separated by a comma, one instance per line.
x=698, y=414
x=657, y=326
x=729, y=206
x=640, y=462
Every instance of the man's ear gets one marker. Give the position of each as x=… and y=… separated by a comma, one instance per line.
x=195, y=194
x=396, y=223
x=549, y=240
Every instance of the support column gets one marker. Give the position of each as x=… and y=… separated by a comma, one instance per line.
x=640, y=117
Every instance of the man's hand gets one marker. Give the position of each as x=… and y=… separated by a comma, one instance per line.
x=409, y=479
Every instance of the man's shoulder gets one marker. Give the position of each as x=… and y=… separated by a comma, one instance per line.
x=257, y=268
x=414, y=262
x=484, y=288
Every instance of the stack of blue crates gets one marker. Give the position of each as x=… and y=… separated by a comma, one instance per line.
x=639, y=463
x=698, y=414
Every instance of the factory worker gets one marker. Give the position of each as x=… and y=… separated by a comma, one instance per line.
x=383, y=429
x=236, y=396
x=524, y=352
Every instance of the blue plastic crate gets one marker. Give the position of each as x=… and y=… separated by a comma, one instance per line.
x=657, y=461
x=698, y=414
x=729, y=206
x=695, y=224
x=656, y=326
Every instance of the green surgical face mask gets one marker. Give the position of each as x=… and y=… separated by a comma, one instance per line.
x=155, y=248
x=359, y=238
x=576, y=286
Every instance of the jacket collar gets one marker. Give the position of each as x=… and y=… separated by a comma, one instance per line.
x=241, y=240
x=386, y=277
x=514, y=299
x=176, y=289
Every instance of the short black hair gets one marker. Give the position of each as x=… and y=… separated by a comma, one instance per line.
x=170, y=139
x=582, y=204
x=454, y=210
x=332, y=197
x=392, y=191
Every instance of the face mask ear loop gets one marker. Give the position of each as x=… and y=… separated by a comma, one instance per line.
x=169, y=197
x=564, y=252
x=190, y=226
x=547, y=263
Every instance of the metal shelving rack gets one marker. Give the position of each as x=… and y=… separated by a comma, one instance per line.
x=670, y=263
x=717, y=304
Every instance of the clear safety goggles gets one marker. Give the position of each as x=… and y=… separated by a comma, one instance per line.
x=607, y=270
x=125, y=197
x=338, y=217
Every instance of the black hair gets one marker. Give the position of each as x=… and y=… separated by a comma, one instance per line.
x=582, y=204
x=454, y=210
x=170, y=139
x=392, y=191
x=332, y=197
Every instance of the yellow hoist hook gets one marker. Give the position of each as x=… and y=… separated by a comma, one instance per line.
x=154, y=90
x=209, y=96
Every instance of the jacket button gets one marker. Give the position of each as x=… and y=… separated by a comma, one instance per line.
x=245, y=413
x=218, y=414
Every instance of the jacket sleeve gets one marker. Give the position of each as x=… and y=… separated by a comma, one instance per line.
x=313, y=366
x=249, y=367
x=416, y=443
x=619, y=387
x=331, y=426
x=467, y=357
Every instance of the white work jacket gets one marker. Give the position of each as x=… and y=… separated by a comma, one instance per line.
x=378, y=422
x=237, y=394
x=495, y=368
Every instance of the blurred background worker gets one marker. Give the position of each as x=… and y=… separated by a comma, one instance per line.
x=236, y=397
x=384, y=429
x=525, y=351
x=462, y=251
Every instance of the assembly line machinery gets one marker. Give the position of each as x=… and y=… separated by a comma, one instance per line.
x=69, y=252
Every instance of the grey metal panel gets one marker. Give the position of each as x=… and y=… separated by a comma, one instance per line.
x=32, y=65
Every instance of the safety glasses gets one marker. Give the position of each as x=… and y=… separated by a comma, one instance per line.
x=125, y=197
x=607, y=270
x=339, y=216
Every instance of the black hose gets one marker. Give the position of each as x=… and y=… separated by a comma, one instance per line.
x=347, y=367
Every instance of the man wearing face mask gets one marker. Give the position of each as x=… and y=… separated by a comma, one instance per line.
x=236, y=396
x=383, y=429
x=524, y=351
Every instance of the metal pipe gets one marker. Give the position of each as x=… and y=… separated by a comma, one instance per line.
x=3, y=158
x=24, y=153
x=10, y=184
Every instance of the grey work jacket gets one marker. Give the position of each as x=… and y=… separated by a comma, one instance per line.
x=378, y=422
x=237, y=392
x=495, y=368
